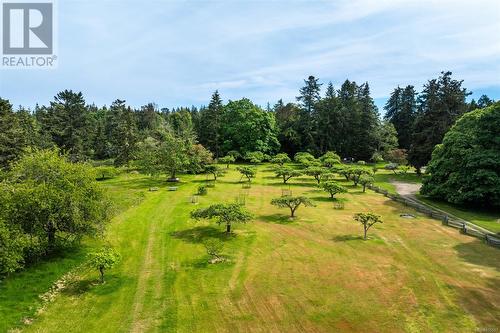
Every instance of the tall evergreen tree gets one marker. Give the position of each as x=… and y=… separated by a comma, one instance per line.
x=211, y=118
x=350, y=119
x=68, y=123
x=369, y=122
x=328, y=122
x=287, y=117
x=122, y=132
x=484, y=101
x=400, y=111
x=308, y=98
x=441, y=102
x=12, y=138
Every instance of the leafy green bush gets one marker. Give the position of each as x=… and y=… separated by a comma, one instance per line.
x=202, y=190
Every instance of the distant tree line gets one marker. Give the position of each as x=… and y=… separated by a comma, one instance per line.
x=343, y=120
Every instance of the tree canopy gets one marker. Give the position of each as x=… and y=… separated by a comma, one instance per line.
x=465, y=168
x=226, y=214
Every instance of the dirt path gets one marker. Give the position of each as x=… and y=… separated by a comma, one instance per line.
x=407, y=189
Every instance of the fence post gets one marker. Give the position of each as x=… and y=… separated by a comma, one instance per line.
x=445, y=220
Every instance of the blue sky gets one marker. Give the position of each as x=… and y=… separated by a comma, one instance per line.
x=177, y=53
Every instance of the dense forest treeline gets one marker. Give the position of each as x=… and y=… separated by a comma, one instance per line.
x=344, y=120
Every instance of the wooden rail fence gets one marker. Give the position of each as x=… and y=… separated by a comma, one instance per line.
x=465, y=227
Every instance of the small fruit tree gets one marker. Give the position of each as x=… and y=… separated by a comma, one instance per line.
x=247, y=172
x=104, y=259
x=223, y=214
x=292, y=203
x=227, y=160
x=367, y=220
x=286, y=173
x=280, y=159
x=333, y=188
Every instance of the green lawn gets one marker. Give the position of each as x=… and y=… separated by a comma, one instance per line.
x=310, y=274
x=486, y=219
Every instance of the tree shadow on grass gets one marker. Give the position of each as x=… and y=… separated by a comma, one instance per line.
x=203, y=262
x=480, y=301
x=112, y=283
x=145, y=183
x=479, y=253
x=324, y=199
x=278, y=218
x=347, y=238
x=198, y=234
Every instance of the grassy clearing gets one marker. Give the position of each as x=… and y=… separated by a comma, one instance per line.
x=313, y=273
x=486, y=219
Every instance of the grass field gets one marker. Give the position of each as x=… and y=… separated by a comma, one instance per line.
x=310, y=274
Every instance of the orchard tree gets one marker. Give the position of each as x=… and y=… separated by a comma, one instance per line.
x=170, y=155
x=198, y=157
x=254, y=157
x=228, y=159
x=292, y=203
x=286, y=173
x=280, y=159
x=104, y=259
x=329, y=159
x=247, y=172
x=304, y=158
x=394, y=167
x=367, y=220
x=357, y=172
x=53, y=197
x=215, y=170
x=366, y=180
x=317, y=172
x=333, y=188
x=225, y=214
x=106, y=172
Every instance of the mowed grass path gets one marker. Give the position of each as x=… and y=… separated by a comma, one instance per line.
x=311, y=274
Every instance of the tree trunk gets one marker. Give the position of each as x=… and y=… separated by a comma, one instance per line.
x=101, y=270
x=51, y=235
x=364, y=188
x=365, y=233
x=228, y=228
x=292, y=212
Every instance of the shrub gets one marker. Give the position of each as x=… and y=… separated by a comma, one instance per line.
x=202, y=190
